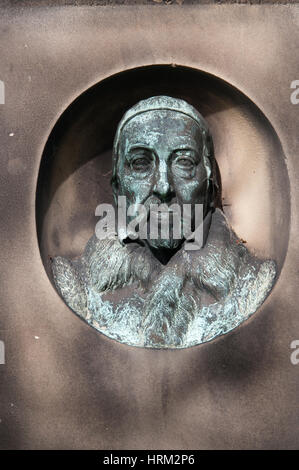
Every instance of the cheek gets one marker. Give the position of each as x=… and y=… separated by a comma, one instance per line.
x=190, y=191
x=135, y=189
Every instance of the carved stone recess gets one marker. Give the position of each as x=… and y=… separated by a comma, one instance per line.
x=70, y=73
x=153, y=292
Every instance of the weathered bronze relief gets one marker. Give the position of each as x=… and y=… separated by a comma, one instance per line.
x=157, y=291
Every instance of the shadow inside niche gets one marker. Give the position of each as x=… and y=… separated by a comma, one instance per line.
x=75, y=169
x=81, y=141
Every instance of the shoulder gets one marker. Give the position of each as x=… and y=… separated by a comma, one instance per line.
x=70, y=285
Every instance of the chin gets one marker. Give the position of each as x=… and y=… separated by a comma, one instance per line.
x=162, y=244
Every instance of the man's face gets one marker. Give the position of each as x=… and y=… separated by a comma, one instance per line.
x=161, y=161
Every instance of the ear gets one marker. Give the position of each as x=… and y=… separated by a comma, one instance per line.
x=214, y=187
x=207, y=154
x=115, y=187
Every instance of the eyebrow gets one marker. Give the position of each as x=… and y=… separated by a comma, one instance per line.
x=129, y=156
x=188, y=149
x=140, y=146
x=152, y=151
x=183, y=147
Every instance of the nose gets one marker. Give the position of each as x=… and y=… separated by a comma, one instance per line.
x=162, y=188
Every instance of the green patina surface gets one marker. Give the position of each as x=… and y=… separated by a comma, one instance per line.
x=154, y=292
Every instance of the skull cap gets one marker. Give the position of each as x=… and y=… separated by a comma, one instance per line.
x=156, y=103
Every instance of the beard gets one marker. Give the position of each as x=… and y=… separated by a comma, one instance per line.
x=174, y=293
x=164, y=229
x=203, y=293
x=161, y=225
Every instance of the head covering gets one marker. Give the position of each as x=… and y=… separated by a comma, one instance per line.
x=156, y=103
x=172, y=104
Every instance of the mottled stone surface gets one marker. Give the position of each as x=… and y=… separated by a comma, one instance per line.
x=74, y=388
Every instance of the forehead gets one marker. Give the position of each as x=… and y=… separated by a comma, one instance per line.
x=157, y=127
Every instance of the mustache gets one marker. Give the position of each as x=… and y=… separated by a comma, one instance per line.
x=154, y=204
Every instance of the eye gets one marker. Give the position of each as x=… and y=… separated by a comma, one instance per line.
x=185, y=163
x=141, y=163
x=140, y=159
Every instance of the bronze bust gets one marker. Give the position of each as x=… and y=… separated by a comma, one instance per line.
x=164, y=291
